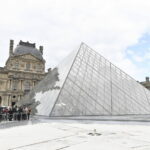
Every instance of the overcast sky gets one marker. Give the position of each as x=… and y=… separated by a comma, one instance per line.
x=117, y=29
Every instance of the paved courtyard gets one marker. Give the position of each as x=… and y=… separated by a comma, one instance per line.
x=45, y=134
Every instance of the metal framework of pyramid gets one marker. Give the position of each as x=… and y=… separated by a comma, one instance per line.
x=89, y=85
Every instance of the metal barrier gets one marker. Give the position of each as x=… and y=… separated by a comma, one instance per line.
x=15, y=116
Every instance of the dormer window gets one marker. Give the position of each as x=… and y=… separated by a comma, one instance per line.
x=16, y=65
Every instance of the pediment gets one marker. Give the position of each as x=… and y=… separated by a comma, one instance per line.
x=28, y=56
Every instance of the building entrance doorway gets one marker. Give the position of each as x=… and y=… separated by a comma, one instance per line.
x=13, y=103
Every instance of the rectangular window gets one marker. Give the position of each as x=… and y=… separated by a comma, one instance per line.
x=28, y=66
x=15, y=85
x=22, y=65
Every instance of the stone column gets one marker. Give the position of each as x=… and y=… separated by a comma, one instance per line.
x=5, y=102
x=33, y=84
x=19, y=97
x=8, y=100
x=6, y=85
x=21, y=84
x=10, y=85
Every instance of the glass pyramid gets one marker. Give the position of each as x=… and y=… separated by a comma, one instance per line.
x=89, y=85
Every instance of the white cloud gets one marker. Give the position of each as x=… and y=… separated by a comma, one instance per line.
x=108, y=26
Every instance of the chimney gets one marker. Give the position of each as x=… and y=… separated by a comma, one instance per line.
x=11, y=45
x=147, y=79
x=41, y=49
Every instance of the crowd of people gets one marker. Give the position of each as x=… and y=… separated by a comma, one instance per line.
x=15, y=113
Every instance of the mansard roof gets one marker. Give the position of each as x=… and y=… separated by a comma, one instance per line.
x=27, y=48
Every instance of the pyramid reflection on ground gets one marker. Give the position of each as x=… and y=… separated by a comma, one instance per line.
x=87, y=85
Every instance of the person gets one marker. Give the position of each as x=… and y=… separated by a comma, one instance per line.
x=29, y=112
x=24, y=115
x=1, y=116
x=14, y=109
x=26, y=112
x=10, y=112
x=20, y=110
x=5, y=113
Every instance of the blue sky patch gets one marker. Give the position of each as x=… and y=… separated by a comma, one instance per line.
x=139, y=54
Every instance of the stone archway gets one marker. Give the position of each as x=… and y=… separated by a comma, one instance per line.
x=0, y=100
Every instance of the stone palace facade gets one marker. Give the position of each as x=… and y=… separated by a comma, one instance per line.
x=24, y=68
